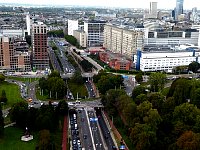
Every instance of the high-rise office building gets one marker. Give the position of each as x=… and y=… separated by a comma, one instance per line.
x=39, y=40
x=153, y=10
x=94, y=32
x=179, y=7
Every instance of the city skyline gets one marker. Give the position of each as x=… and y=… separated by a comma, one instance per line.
x=162, y=4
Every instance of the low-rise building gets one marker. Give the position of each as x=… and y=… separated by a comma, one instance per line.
x=115, y=61
x=164, y=59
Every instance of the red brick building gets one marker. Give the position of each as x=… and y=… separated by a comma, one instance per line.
x=115, y=61
x=39, y=40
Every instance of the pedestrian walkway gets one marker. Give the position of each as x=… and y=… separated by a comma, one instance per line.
x=65, y=134
x=9, y=125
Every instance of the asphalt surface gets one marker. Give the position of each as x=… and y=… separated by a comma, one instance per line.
x=84, y=130
x=105, y=130
x=90, y=89
x=67, y=67
x=95, y=132
x=54, y=60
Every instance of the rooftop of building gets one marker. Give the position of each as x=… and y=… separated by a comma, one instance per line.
x=96, y=21
x=166, y=48
x=116, y=56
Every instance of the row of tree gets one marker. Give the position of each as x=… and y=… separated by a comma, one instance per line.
x=56, y=33
x=54, y=86
x=153, y=120
x=45, y=119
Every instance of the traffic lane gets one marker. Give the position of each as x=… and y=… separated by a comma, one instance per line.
x=85, y=130
x=90, y=89
x=106, y=132
x=95, y=132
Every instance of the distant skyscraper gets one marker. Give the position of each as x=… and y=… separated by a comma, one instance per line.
x=153, y=9
x=179, y=7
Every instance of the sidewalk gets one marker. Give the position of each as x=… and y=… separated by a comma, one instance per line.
x=65, y=134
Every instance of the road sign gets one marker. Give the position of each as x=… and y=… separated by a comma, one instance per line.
x=125, y=77
x=93, y=119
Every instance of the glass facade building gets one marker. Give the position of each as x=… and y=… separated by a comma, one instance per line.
x=179, y=7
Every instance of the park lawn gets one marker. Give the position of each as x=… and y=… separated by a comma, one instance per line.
x=78, y=88
x=12, y=140
x=23, y=79
x=12, y=93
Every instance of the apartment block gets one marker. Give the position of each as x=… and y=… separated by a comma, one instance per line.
x=14, y=54
x=39, y=40
x=81, y=37
x=122, y=40
x=115, y=61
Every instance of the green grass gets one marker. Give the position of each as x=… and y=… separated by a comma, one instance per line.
x=22, y=79
x=12, y=140
x=12, y=93
x=78, y=88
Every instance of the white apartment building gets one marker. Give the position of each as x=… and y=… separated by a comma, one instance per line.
x=124, y=41
x=172, y=38
x=164, y=60
x=72, y=25
x=81, y=37
x=95, y=32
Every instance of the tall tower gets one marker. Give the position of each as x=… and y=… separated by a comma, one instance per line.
x=28, y=23
x=152, y=10
x=179, y=7
x=39, y=40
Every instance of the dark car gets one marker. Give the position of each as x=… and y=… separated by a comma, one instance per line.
x=85, y=136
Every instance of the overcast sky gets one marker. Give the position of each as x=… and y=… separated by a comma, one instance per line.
x=188, y=4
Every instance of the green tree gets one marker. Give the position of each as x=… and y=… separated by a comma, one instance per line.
x=180, y=90
x=54, y=74
x=157, y=100
x=157, y=81
x=139, y=77
x=46, y=118
x=77, y=78
x=189, y=141
x=196, y=99
x=1, y=123
x=55, y=33
x=3, y=97
x=143, y=136
x=186, y=113
x=72, y=40
x=57, y=87
x=44, y=140
x=54, y=47
x=138, y=90
x=194, y=66
x=62, y=108
x=43, y=83
x=2, y=78
x=140, y=99
x=18, y=113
